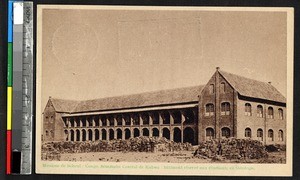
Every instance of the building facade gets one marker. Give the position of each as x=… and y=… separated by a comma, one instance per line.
x=227, y=106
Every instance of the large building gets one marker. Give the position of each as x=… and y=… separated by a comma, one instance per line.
x=227, y=106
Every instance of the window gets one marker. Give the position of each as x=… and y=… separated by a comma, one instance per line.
x=260, y=134
x=280, y=135
x=47, y=133
x=209, y=133
x=248, y=109
x=222, y=87
x=225, y=108
x=225, y=132
x=280, y=113
x=248, y=132
x=211, y=89
x=51, y=133
x=51, y=119
x=270, y=113
x=270, y=135
x=260, y=111
x=209, y=109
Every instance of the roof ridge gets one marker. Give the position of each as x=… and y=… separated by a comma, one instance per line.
x=141, y=93
x=246, y=77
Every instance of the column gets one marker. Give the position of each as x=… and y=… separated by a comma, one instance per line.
x=171, y=118
x=140, y=119
x=69, y=135
x=93, y=135
x=107, y=134
x=123, y=134
x=171, y=134
x=123, y=120
x=75, y=135
x=182, y=121
x=80, y=137
x=131, y=119
x=100, y=134
x=93, y=121
x=80, y=121
x=115, y=121
x=150, y=119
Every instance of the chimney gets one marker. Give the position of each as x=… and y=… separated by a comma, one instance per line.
x=217, y=68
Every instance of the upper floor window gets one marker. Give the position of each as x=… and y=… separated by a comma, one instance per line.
x=211, y=89
x=270, y=113
x=51, y=133
x=260, y=111
x=47, y=133
x=209, y=109
x=280, y=113
x=280, y=135
x=248, y=109
x=248, y=132
x=225, y=108
x=222, y=87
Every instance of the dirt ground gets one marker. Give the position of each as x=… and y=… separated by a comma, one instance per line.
x=170, y=157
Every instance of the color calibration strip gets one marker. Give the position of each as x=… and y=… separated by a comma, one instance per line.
x=9, y=87
x=19, y=87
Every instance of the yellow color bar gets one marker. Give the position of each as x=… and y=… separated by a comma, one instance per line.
x=9, y=107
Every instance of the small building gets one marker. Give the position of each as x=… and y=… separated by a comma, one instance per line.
x=227, y=106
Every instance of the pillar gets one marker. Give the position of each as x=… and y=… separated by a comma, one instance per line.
x=123, y=133
x=123, y=121
x=150, y=119
x=75, y=135
x=80, y=121
x=171, y=118
x=171, y=134
x=140, y=119
x=115, y=121
x=69, y=135
x=182, y=121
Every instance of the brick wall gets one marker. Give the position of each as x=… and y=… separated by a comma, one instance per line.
x=254, y=122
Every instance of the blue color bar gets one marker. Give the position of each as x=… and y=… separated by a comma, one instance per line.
x=10, y=21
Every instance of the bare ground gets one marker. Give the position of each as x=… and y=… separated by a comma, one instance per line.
x=168, y=157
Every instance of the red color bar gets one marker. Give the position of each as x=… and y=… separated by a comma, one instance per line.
x=8, y=152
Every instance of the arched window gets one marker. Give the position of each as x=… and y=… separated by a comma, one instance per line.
x=222, y=87
x=51, y=133
x=280, y=135
x=270, y=135
x=280, y=113
x=209, y=133
x=248, y=111
x=260, y=111
x=260, y=135
x=270, y=113
x=225, y=108
x=248, y=132
x=225, y=132
x=209, y=109
x=47, y=133
x=211, y=89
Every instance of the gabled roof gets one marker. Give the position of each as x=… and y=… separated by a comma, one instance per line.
x=62, y=105
x=253, y=88
x=155, y=98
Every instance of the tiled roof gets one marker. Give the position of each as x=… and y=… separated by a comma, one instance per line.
x=164, y=97
x=253, y=88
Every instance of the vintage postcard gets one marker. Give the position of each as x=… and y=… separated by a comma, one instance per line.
x=164, y=90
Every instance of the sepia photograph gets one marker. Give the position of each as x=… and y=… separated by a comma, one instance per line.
x=164, y=90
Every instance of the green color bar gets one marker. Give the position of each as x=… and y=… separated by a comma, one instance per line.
x=9, y=64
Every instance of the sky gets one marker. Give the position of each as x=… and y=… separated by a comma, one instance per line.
x=88, y=54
